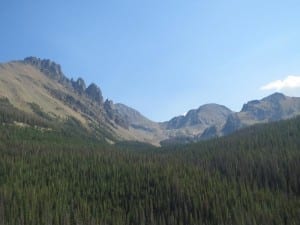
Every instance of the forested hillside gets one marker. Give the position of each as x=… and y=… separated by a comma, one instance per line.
x=57, y=175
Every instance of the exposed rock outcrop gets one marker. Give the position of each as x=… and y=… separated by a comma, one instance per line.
x=232, y=124
x=48, y=67
x=114, y=115
x=79, y=86
x=109, y=108
x=209, y=133
x=205, y=116
x=272, y=108
x=94, y=92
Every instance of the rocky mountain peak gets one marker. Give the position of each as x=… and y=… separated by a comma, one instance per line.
x=272, y=100
x=112, y=112
x=108, y=104
x=109, y=108
x=79, y=85
x=205, y=115
x=271, y=108
x=276, y=97
x=214, y=108
x=46, y=66
x=94, y=92
x=250, y=106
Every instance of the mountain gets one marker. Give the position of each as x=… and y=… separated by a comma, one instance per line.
x=41, y=82
x=181, y=128
x=212, y=120
x=188, y=128
x=135, y=118
x=250, y=177
x=205, y=116
x=138, y=125
x=197, y=120
x=40, y=87
x=272, y=108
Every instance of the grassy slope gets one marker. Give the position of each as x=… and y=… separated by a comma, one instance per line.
x=23, y=84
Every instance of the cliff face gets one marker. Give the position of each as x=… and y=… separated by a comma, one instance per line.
x=94, y=92
x=53, y=71
x=46, y=66
x=205, y=116
x=79, y=86
x=271, y=108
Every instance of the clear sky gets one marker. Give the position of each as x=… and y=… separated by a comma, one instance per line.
x=163, y=57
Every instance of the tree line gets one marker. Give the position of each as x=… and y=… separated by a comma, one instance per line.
x=63, y=177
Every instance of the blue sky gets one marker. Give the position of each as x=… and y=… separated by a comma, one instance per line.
x=163, y=57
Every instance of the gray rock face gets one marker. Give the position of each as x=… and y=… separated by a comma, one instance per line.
x=209, y=133
x=182, y=129
x=79, y=86
x=109, y=108
x=272, y=108
x=206, y=116
x=198, y=124
x=48, y=67
x=213, y=120
x=113, y=114
x=135, y=119
x=53, y=70
x=232, y=124
x=94, y=92
x=175, y=123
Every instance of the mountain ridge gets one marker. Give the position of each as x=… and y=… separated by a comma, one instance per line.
x=42, y=82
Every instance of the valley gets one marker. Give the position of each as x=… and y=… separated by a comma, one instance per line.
x=69, y=157
x=42, y=82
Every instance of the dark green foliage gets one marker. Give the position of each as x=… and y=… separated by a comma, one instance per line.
x=63, y=177
x=71, y=127
x=38, y=111
x=9, y=114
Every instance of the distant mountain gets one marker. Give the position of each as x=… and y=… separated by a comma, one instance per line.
x=135, y=118
x=195, y=122
x=179, y=129
x=141, y=127
x=42, y=83
x=272, y=108
x=205, y=116
x=213, y=120
x=39, y=86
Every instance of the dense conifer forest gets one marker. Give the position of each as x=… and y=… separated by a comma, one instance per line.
x=57, y=174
